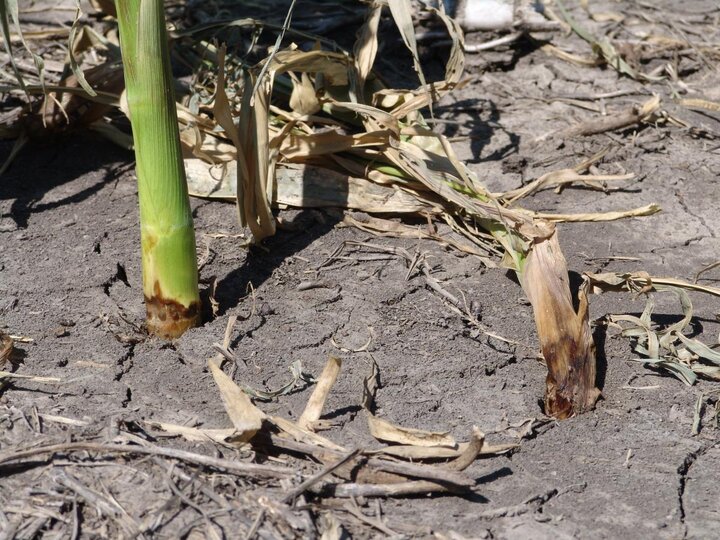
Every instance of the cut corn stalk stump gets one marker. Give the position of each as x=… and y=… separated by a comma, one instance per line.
x=170, y=276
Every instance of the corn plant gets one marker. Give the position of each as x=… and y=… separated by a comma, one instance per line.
x=170, y=277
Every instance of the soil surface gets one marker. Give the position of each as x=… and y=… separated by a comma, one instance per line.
x=70, y=280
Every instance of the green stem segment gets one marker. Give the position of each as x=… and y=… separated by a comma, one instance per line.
x=170, y=277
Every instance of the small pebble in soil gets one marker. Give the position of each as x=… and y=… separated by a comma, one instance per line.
x=61, y=331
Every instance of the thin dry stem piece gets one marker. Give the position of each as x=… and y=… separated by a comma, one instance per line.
x=315, y=404
x=220, y=436
x=636, y=115
x=106, y=506
x=34, y=378
x=418, y=487
x=12, y=458
x=560, y=178
x=314, y=479
x=565, y=336
x=647, y=210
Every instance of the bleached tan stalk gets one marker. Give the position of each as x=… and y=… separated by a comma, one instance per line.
x=565, y=338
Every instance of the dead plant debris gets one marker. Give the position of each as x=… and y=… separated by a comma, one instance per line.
x=310, y=124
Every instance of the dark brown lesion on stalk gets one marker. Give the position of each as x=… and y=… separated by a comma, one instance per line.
x=169, y=319
x=570, y=382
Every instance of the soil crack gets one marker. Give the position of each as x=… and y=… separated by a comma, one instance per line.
x=125, y=362
x=683, y=471
x=686, y=208
x=120, y=275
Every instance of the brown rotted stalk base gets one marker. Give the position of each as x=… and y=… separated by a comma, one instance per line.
x=565, y=336
x=168, y=319
x=570, y=383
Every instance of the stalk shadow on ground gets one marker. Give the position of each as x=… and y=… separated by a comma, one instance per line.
x=60, y=162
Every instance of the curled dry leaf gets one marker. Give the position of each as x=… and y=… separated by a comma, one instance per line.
x=365, y=50
x=662, y=347
x=470, y=453
x=383, y=430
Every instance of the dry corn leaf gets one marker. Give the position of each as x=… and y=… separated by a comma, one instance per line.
x=299, y=145
x=647, y=210
x=291, y=429
x=303, y=99
x=364, y=51
x=245, y=416
x=71, y=105
x=440, y=452
x=314, y=407
x=250, y=138
x=411, y=101
x=662, y=347
x=383, y=430
x=255, y=168
x=641, y=282
x=401, y=11
x=220, y=436
x=333, y=66
x=34, y=378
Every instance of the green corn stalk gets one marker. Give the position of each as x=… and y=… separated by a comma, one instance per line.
x=170, y=276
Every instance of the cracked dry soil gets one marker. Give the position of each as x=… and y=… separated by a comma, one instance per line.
x=70, y=280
